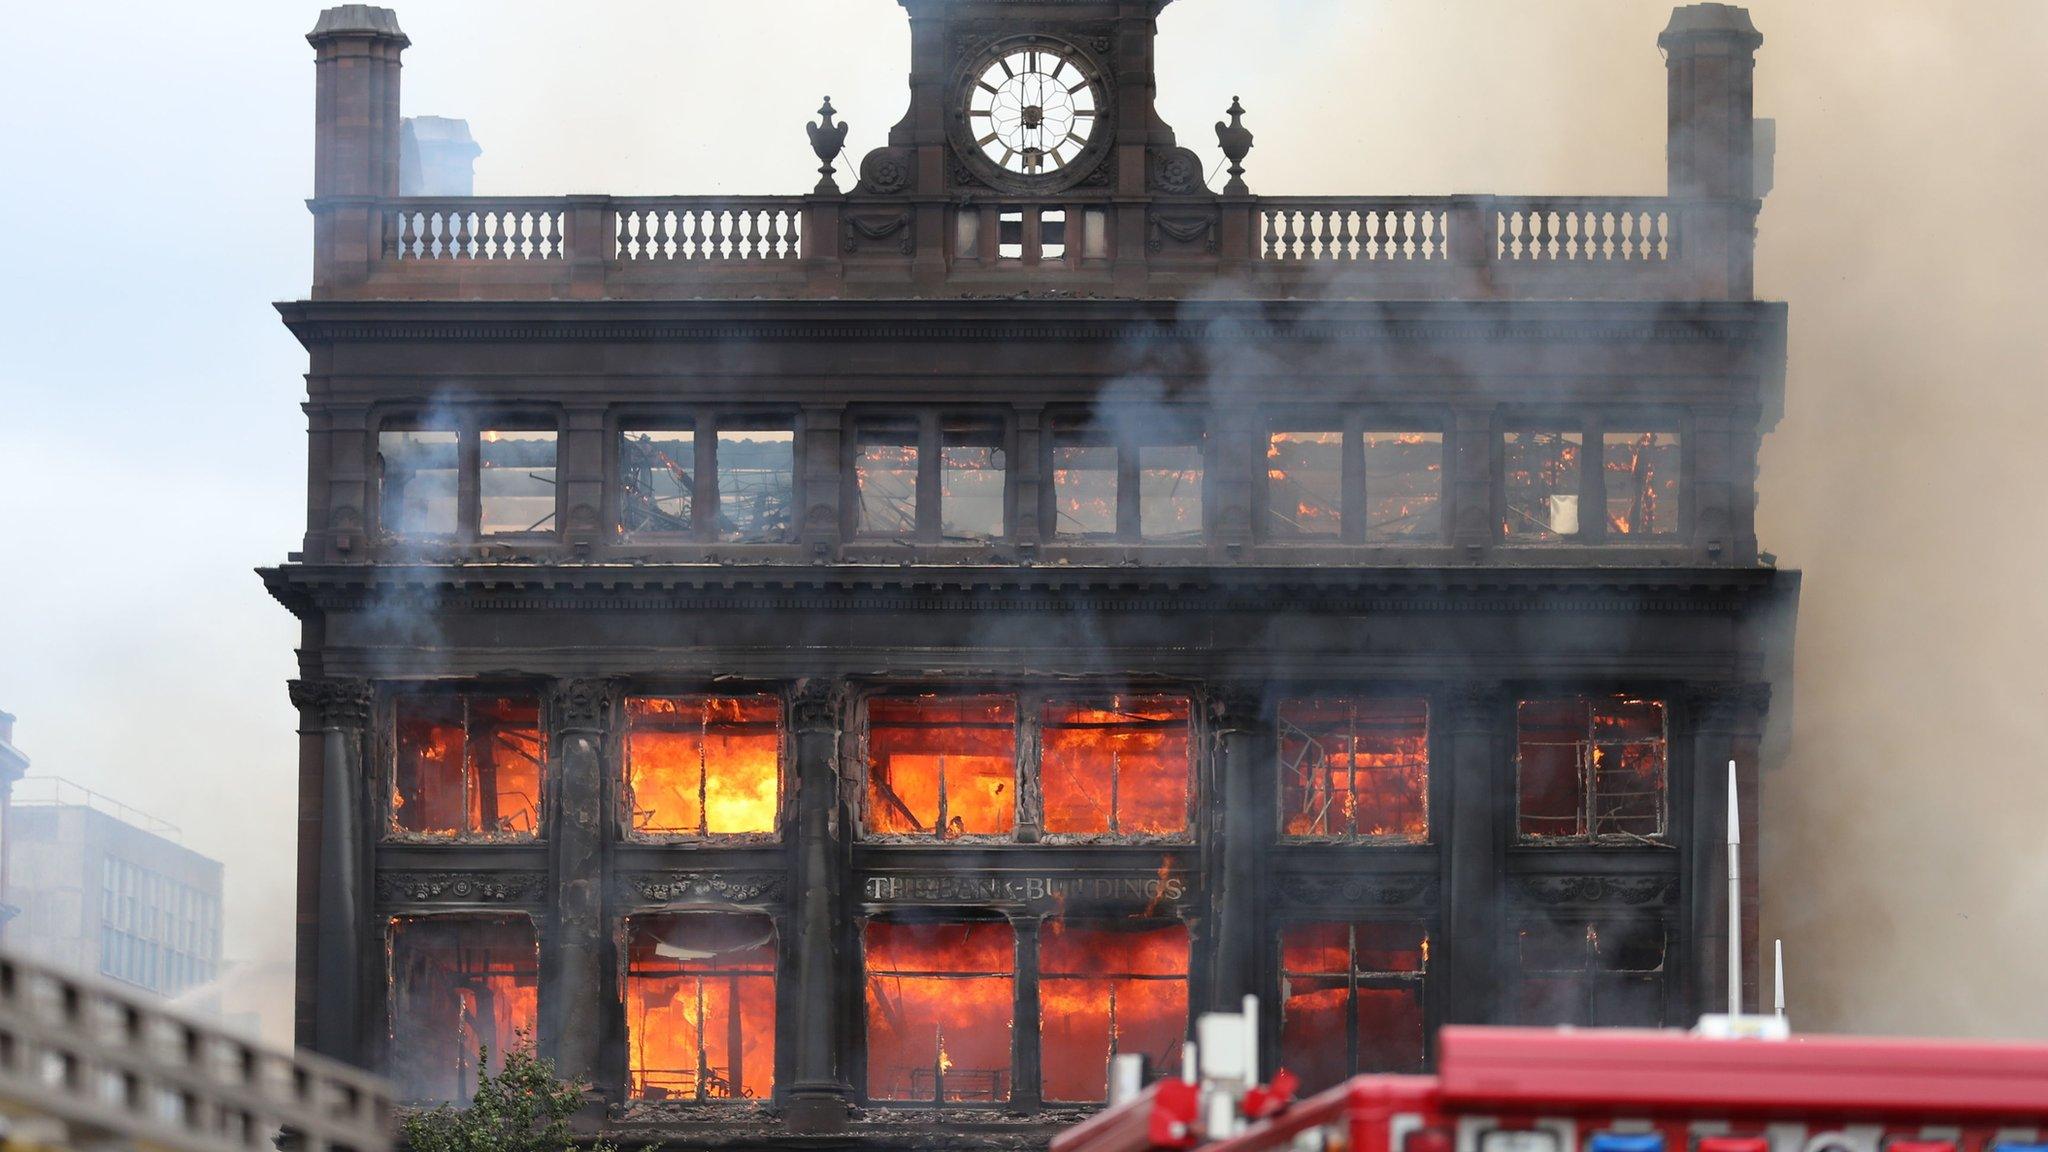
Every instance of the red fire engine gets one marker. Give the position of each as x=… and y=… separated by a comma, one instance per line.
x=1539, y=1090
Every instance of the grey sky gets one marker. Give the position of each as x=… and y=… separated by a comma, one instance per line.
x=151, y=446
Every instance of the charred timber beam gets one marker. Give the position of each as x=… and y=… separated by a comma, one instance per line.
x=576, y=962
x=338, y=711
x=1478, y=827
x=818, y=1097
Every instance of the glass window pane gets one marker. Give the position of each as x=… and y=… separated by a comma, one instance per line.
x=971, y=467
x=1170, y=492
x=517, y=482
x=1304, y=483
x=940, y=1007
x=942, y=766
x=1120, y=767
x=700, y=1006
x=1642, y=474
x=1404, y=485
x=885, y=472
x=756, y=484
x=1084, y=489
x=416, y=483
x=457, y=983
x=657, y=480
x=703, y=765
x=1541, y=477
x=1105, y=991
x=1354, y=768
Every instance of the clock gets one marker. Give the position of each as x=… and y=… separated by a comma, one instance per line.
x=1032, y=115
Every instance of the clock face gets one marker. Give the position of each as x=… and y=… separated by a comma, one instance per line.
x=1033, y=108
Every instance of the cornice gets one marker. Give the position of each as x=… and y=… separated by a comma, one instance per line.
x=1008, y=319
x=668, y=588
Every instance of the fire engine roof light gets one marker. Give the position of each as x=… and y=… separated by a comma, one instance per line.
x=1626, y=1142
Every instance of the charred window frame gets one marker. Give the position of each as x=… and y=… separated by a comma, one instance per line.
x=1372, y=477
x=1004, y=766
x=454, y=984
x=1134, y=486
x=1353, y=997
x=927, y=477
x=466, y=765
x=702, y=767
x=1105, y=988
x=1592, y=769
x=467, y=476
x=941, y=1009
x=705, y=476
x=700, y=1006
x=1615, y=478
x=1354, y=769
x=1600, y=973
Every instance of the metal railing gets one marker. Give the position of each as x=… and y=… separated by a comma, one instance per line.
x=86, y=1065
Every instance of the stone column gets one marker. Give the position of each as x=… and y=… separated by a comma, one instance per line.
x=1479, y=713
x=355, y=144
x=818, y=455
x=1238, y=828
x=1727, y=721
x=578, y=953
x=818, y=1097
x=338, y=712
x=581, y=474
x=1470, y=493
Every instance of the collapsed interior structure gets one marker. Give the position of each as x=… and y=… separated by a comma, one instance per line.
x=850, y=663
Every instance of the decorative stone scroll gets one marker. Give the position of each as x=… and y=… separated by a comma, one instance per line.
x=1562, y=891
x=460, y=887
x=1353, y=890
x=733, y=887
x=333, y=703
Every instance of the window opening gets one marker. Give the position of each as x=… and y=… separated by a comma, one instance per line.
x=699, y=766
x=1117, y=768
x=1170, y=492
x=756, y=484
x=1354, y=769
x=1541, y=475
x=885, y=474
x=417, y=479
x=1351, y=999
x=1591, y=769
x=467, y=766
x=942, y=767
x=971, y=473
x=657, y=480
x=941, y=1005
x=516, y=484
x=1599, y=975
x=1305, y=483
x=1404, y=485
x=1642, y=483
x=457, y=984
x=1084, y=489
x=700, y=1006
x=1106, y=990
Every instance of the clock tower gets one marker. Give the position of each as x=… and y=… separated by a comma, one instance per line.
x=1032, y=98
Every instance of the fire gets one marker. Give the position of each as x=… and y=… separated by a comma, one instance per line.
x=467, y=767
x=1591, y=767
x=1105, y=990
x=940, y=1009
x=703, y=765
x=458, y=984
x=700, y=1006
x=1542, y=480
x=1642, y=477
x=1305, y=481
x=1355, y=768
x=1351, y=999
x=942, y=767
x=1120, y=770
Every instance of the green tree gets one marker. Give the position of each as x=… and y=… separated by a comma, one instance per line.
x=524, y=1108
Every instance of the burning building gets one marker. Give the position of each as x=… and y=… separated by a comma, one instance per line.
x=852, y=662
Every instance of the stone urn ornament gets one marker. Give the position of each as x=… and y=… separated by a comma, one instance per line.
x=1236, y=141
x=827, y=140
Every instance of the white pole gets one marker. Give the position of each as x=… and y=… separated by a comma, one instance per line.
x=1251, y=1040
x=1779, y=982
x=1734, y=897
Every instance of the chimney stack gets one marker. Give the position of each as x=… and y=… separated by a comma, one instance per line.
x=1710, y=61
x=355, y=143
